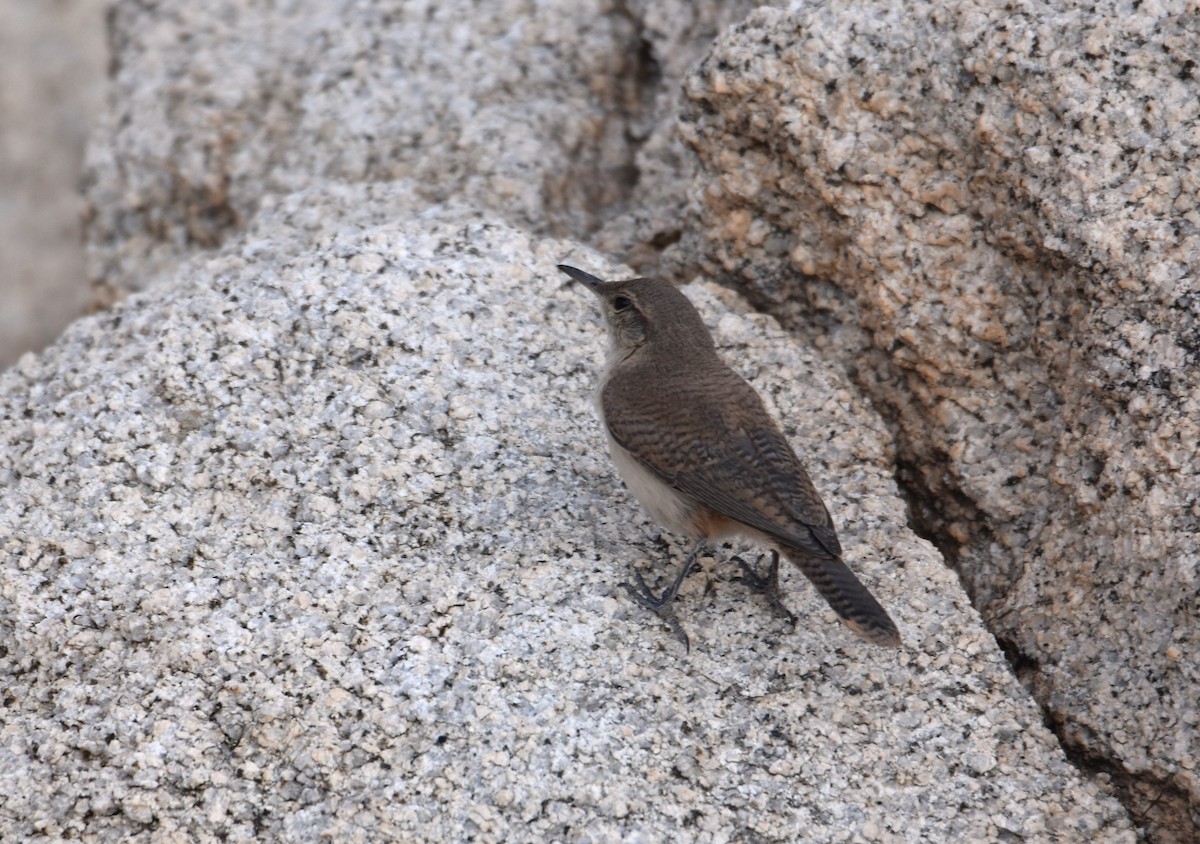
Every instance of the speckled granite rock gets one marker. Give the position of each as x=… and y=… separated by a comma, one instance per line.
x=993, y=213
x=558, y=117
x=503, y=105
x=537, y=111
x=318, y=540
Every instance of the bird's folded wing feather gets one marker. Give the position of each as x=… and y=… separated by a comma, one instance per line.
x=730, y=457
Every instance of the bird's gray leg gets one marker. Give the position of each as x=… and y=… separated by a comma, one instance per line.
x=660, y=605
x=766, y=584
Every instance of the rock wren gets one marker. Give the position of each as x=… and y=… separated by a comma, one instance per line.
x=697, y=448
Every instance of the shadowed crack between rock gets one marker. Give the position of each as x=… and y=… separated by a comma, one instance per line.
x=1158, y=806
x=606, y=189
x=1159, y=809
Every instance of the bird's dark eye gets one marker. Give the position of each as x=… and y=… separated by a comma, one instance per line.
x=622, y=303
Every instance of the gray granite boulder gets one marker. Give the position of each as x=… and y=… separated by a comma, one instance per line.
x=533, y=110
x=318, y=538
x=991, y=214
x=558, y=117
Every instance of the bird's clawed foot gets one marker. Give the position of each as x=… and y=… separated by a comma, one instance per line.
x=766, y=584
x=660, y=605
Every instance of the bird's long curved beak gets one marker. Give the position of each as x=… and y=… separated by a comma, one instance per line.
x=586, y=279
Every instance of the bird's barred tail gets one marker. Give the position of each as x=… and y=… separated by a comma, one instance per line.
x=855, y=606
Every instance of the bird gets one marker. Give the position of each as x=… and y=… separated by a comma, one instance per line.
x=696, y=446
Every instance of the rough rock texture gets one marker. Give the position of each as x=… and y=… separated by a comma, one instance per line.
x=51, y=87
x=507, y=106
x=994, y=211
x=318, y=539
x=557, y=116
x=220, y=115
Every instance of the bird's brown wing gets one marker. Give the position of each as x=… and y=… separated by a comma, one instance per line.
x=727, y=454
x=772, y=493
